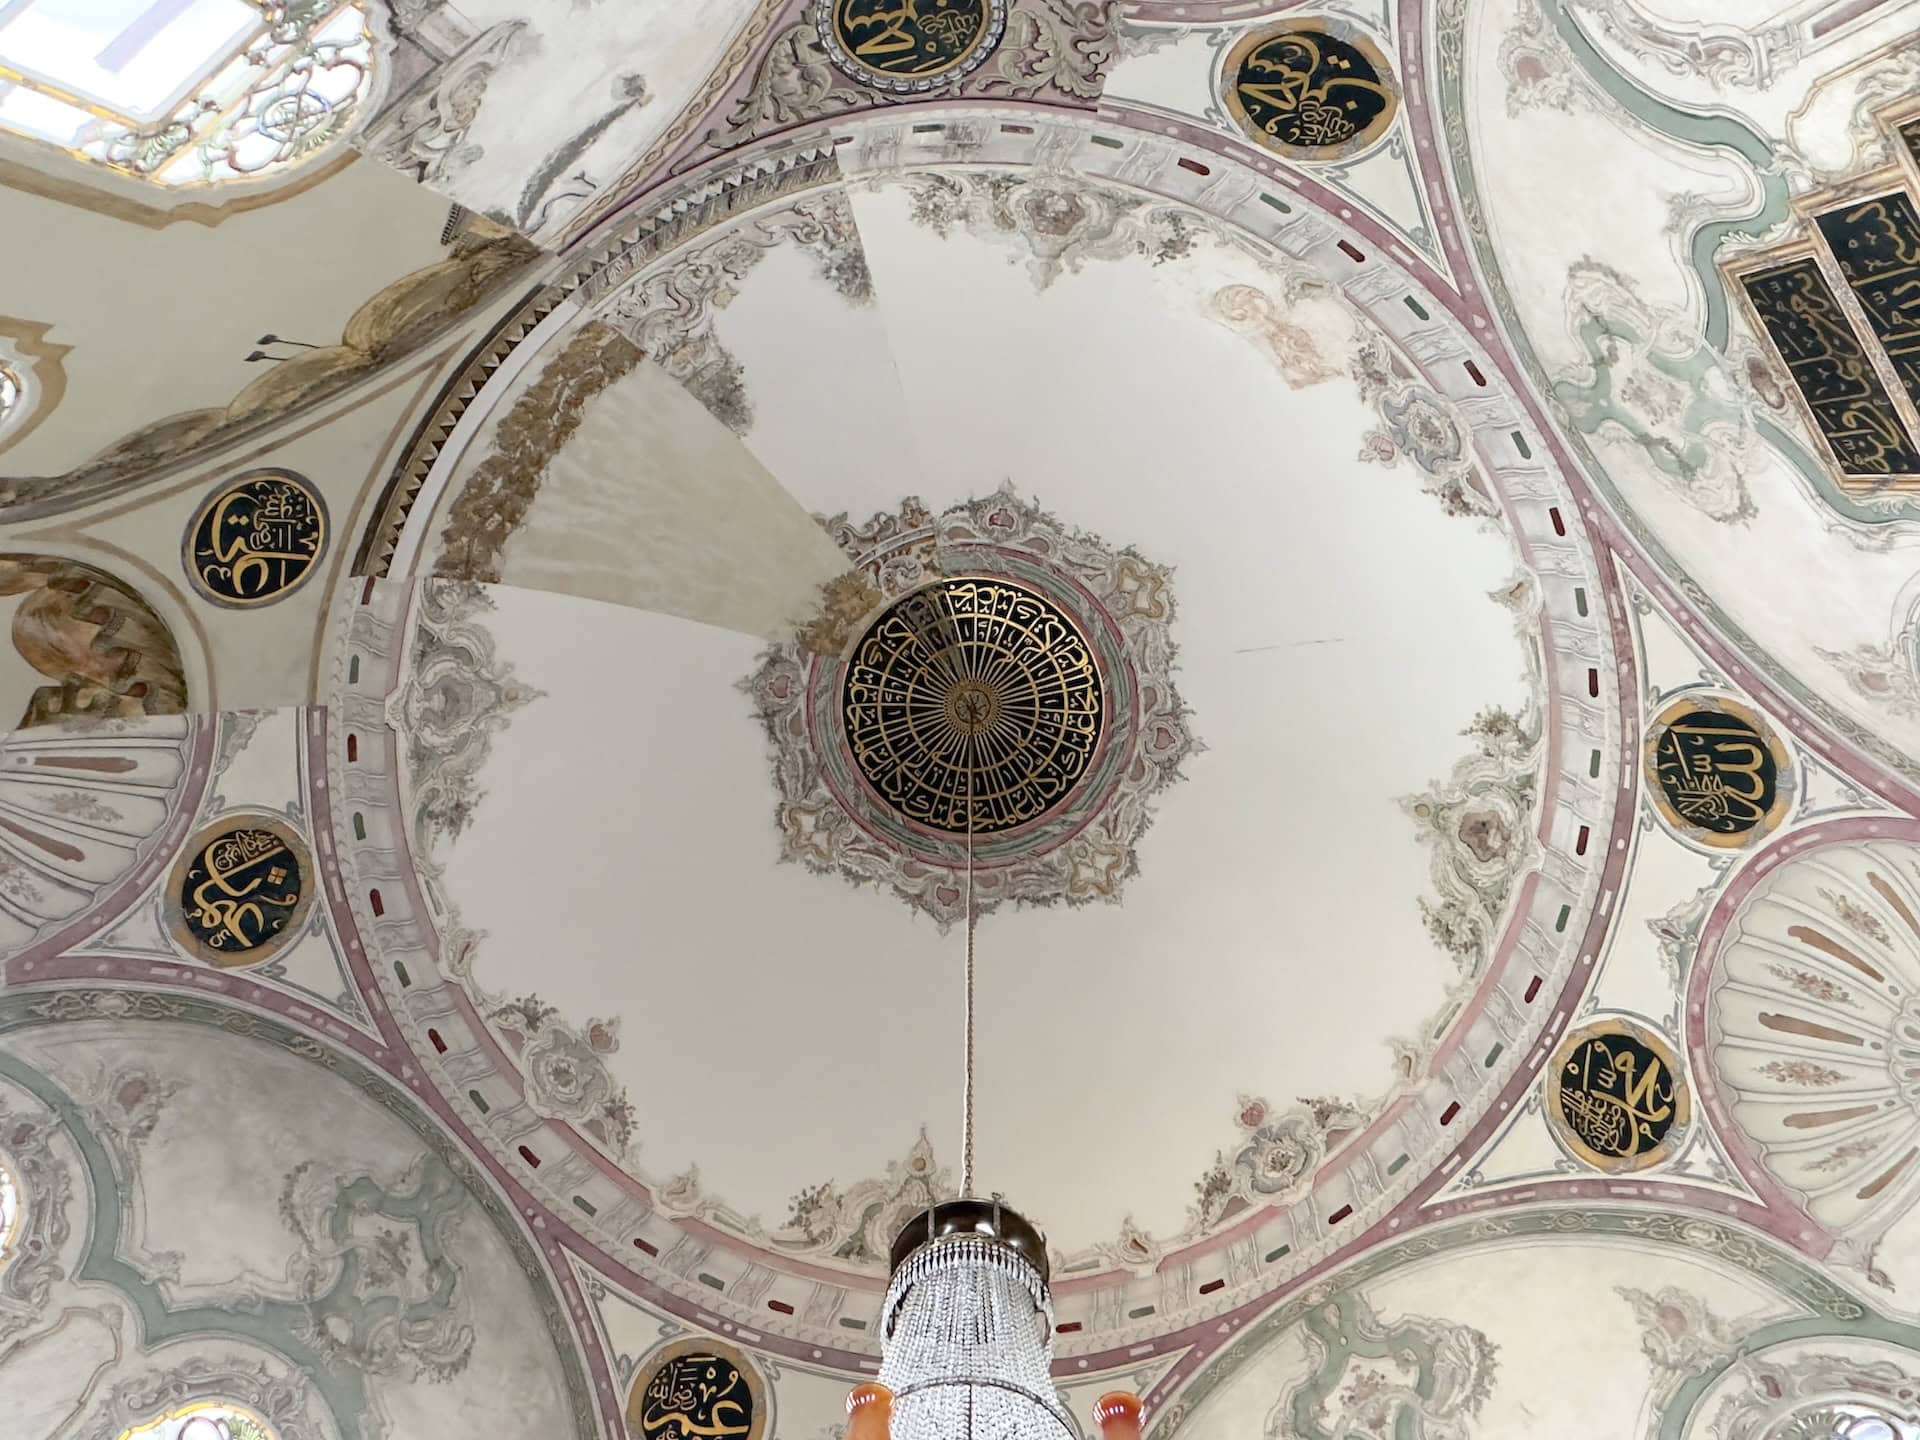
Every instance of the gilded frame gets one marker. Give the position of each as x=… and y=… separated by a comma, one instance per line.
x=219, y=493
x=1786, y=778
x=183, y=935
x=1334, y=28
x=988, y=41
x=1669, y=1144
x=650, y=1365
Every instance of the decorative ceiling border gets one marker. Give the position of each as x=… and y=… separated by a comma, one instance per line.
x=1542, y=960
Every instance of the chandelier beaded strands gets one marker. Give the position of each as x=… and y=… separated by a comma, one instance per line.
x=967, y=1326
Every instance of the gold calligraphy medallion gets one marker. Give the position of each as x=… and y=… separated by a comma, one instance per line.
x=697, y=1389
x=242, y=890
x=909, y=45
x=1717, y=774
x=256, y=538
x=1616, y=1097
x=1311, y=89
x=975, y=686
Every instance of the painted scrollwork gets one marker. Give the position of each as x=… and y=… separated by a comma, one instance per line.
x=1065, y=46
x=458, y=694
x=859, y=1221
x=378, y=1271
x=30, y=1256
x=1478, y=823
x=668, y=312
x=1649, y=380
x=276, y=1392
x=1374, y=1379
x=566, y=1077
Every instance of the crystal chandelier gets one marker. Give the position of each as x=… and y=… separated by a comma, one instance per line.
x=967, y=1326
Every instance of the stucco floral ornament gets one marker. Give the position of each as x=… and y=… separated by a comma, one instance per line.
x=566, y=1077
x=831, y=817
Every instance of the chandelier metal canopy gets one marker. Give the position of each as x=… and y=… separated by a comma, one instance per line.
x=967, y=1326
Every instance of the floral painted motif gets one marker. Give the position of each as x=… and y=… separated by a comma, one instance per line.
x=1373, y=1379
x=566, y=1077
x=1079, y=852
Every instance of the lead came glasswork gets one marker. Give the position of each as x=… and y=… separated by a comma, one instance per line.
x=1877, y=243
x=974, y=686
x=1849, y=405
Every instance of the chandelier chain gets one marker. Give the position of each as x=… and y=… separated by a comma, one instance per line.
x=966, y=1155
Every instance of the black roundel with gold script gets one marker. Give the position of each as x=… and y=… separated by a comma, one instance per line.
x=1718, y=775
x=910, y=40
x=256, y=538
x=1306, y=92
x=695, y=1393
x=973, y=703
x=242, y=890
x=1615, y=1096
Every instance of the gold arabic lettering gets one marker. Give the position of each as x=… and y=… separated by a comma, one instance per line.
x=696, y=1395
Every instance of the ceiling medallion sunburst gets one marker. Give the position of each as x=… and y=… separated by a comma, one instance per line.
x=987, y=640
x=974, y=691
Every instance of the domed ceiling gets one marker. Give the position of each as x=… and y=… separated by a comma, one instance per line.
x=1370, y=545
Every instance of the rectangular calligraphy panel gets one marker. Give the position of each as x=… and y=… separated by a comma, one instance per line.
x=1843, y=391
x=1877, y=243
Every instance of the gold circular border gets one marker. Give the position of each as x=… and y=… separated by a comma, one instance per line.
x=1312, y=25
x=698, y=1345
x=219, y=493
x=310, y=879
x=1682, y=1098
x=827, y=27
x=1785, y=777
x=879, y=613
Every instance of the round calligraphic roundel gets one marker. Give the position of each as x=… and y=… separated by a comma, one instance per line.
x=909, y=45
x=699, y=1389
x=256, y=538
x=973, y=696
x=241, y=891
x=1616, y=1097
x=1311, y=89
x=1717, y=773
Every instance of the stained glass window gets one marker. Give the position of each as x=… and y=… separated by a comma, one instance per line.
x=9, y=1209
x=184, y=92
x=205, y=1420
x=1856, y=1422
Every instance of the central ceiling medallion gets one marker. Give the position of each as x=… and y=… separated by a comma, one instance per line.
x=987, y=648
x=909, y=46
x=974, y=693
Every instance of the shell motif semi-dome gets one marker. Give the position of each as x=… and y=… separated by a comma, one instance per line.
x=1814, y=1030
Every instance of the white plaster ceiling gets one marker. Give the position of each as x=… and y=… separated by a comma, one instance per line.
x=780, y=1028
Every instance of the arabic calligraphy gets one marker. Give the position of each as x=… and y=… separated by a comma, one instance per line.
x=1616, y=1096
x=1717, y=771
x=695, y=1395
x=256, y=538
x=241, y=890
x=1832, y=371
x=911, y=40
x=1304, y=91
x=1877, y=244
x=974, y=687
